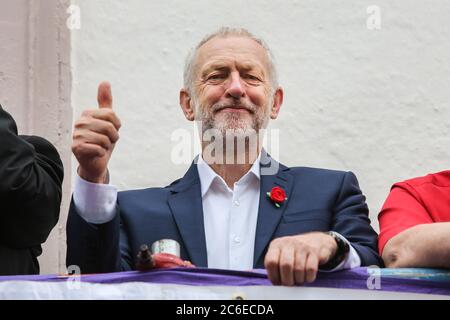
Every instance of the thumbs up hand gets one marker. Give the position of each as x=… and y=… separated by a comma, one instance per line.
x=94, y=137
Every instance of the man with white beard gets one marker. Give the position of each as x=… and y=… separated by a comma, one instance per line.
x=235, y=208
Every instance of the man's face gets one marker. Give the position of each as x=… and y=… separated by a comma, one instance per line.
x=232, y=89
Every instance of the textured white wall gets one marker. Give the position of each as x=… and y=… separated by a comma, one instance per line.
x=371, y=101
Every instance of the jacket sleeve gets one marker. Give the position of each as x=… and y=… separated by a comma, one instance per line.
x=351, y=220
x=31, y=174
x=97, y=248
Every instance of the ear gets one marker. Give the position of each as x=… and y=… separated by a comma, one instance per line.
x=186, y=104
x=277, y=102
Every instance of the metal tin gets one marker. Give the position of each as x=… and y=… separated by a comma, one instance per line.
x=166, y=246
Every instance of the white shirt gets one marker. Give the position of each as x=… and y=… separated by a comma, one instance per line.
x=230, y=216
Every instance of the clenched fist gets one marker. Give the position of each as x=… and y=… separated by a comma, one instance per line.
x=94, y=137
x=296, y=259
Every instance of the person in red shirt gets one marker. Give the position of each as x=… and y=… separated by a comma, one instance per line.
x=415, y=223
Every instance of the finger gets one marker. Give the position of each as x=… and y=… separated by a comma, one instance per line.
x=103, y=114
x=91, y=137
x=104, y=96
x=99, y=126
x=287, y=260
x=271, y=263
x=312, y=265
x=86, y=150
x=299, y=266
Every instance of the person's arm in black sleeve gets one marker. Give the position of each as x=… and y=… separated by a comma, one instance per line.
x=97, y=248
x=31, y=175
x=352, y=221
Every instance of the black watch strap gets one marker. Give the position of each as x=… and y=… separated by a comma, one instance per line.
x=342, y=252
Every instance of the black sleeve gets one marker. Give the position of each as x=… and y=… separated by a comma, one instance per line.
x=352, y=221
x=31, y=175
x=97, y=248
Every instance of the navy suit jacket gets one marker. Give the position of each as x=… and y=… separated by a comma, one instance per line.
x=318, y=200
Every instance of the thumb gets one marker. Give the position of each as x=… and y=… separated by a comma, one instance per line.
x=104, y=96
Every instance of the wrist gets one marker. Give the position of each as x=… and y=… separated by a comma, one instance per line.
x=102, y=179
x=333, y=246
x=341, y=252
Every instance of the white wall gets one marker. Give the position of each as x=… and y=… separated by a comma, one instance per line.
x=371, y=101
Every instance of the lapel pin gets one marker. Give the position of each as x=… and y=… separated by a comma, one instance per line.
x=277, y=195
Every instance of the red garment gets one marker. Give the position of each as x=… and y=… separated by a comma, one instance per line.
x=412, y=202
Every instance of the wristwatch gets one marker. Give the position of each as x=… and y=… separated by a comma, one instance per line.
x=341, y=254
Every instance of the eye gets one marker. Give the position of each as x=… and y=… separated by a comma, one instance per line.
x=216, y=76
x=251, y=78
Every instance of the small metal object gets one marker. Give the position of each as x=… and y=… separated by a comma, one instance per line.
x=144, y=259
x=166, y=246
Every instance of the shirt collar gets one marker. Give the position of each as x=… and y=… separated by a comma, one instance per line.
x=207, y=175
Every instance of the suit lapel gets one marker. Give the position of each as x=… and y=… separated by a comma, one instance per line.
x=185, y=203
x=269, y=216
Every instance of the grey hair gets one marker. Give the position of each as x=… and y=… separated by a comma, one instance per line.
x=224, y=32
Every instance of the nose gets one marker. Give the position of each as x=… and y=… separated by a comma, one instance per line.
x=235, y=88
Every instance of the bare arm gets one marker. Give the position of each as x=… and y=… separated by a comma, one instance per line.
x=424, y=245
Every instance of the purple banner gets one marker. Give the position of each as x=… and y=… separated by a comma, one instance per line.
x=429, y=281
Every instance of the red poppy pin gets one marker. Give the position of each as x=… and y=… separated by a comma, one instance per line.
x=277, y=195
